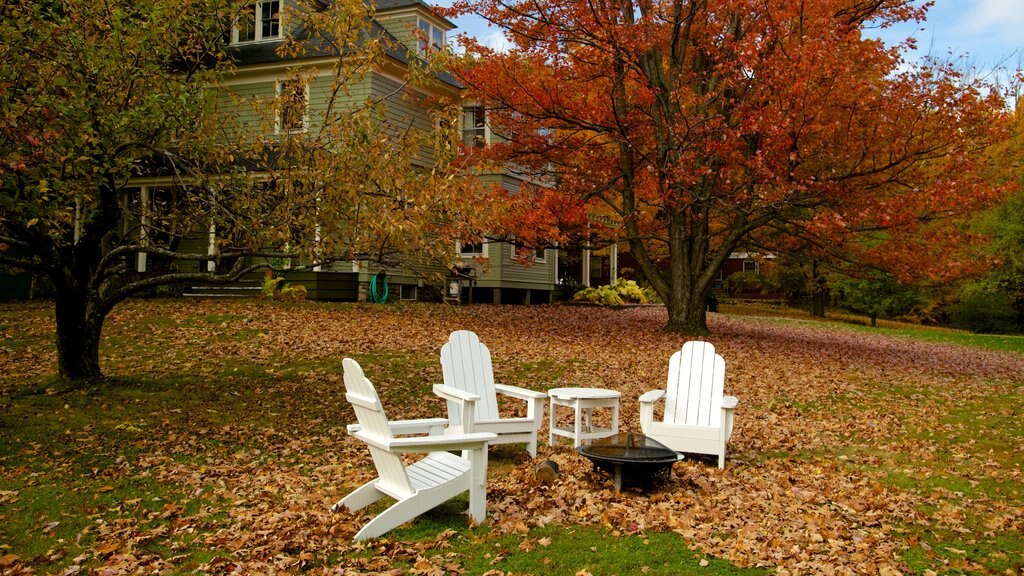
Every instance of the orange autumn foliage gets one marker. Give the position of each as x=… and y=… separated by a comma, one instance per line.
x=698, y=126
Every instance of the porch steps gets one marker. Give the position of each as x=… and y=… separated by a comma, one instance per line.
x=240, y=289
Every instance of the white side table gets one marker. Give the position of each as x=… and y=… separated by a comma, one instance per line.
x=582, y=401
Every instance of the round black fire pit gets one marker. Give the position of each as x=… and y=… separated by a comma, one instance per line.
x=631, y=458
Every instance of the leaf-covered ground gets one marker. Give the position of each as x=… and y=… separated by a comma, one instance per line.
x=218, y=445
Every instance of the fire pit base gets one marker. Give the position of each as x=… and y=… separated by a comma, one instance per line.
x=631, y=458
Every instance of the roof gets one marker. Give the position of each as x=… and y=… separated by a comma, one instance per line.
x=266, y=52
x=392, y=4
x=386, y=5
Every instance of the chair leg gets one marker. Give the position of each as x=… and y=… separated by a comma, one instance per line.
x=721, y=460
x=551, y=423
x=531, y=446
x=360, y=498
x=399, y=513
x=478, y=485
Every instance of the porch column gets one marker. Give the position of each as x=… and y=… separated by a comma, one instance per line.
x=318, y=267
x=613, y=262
x=554, y=280
x=140, y=258
x=211, y=246
x=586, y=267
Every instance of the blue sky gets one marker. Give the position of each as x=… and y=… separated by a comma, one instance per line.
x=988, y=33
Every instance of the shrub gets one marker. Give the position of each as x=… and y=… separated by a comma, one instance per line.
x=986, y=313
x=878, y=297
x=621, y=292
x=275, y=288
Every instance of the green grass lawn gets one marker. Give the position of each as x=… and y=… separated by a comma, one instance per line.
x=844, y=320
x=217, y=444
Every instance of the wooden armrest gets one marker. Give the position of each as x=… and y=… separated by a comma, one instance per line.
x=652, y=396
x=420, y=426
x=454, y=394
x=729, y=402
x=462, y=420
x=521, y=393
x=429, y=443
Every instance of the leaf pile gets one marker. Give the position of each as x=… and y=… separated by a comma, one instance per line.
x=220, y=445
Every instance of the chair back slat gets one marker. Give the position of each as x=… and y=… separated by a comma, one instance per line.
x=466, y=366
x=696, y=383
x=370, y=415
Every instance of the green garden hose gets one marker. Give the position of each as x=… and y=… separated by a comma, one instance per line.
x=376, y=296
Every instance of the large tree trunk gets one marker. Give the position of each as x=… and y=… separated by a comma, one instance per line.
x=687, y=314
x=78, y=336
x=687, y=298
x=818, y=291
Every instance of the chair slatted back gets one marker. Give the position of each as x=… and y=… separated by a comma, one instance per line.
x=466, y=365
x=370, y=414
x=696, y=384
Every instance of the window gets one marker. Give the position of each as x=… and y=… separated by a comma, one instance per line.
x=292, y=106
x=258, y=21
x=537, y=255
x=472, y=249
x=431, y=37
x=407, y=292
x=750, y=266
x=474, y=126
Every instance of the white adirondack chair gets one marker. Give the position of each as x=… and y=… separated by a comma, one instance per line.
x=436, y=478
x=469, y=381
x=698, y=416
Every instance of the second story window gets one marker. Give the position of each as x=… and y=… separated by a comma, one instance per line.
x=474, y=126
x=259, y=21
x=537, y=255
x=292, y=106
x=472, y=249
x=431, y=37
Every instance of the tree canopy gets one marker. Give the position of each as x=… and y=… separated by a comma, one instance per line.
x=97, y=97
x=695, y=125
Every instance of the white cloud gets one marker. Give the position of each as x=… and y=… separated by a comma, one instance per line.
x=495, y=38
x=1003, y=18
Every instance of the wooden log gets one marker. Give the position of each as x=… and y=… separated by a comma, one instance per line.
x=546, y=472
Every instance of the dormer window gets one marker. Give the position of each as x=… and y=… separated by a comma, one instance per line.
x=431, y=37
x=258, y=22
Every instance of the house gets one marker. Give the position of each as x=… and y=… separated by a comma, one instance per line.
x=486, y=271
x=748, y=273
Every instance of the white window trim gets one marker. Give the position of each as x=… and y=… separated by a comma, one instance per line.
x=542, y=260
x=757, y=266
x=258, y=30
x=421, y=44
x=462, y=124
x=402, y=288
x=481, y=254
x=278, y=128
